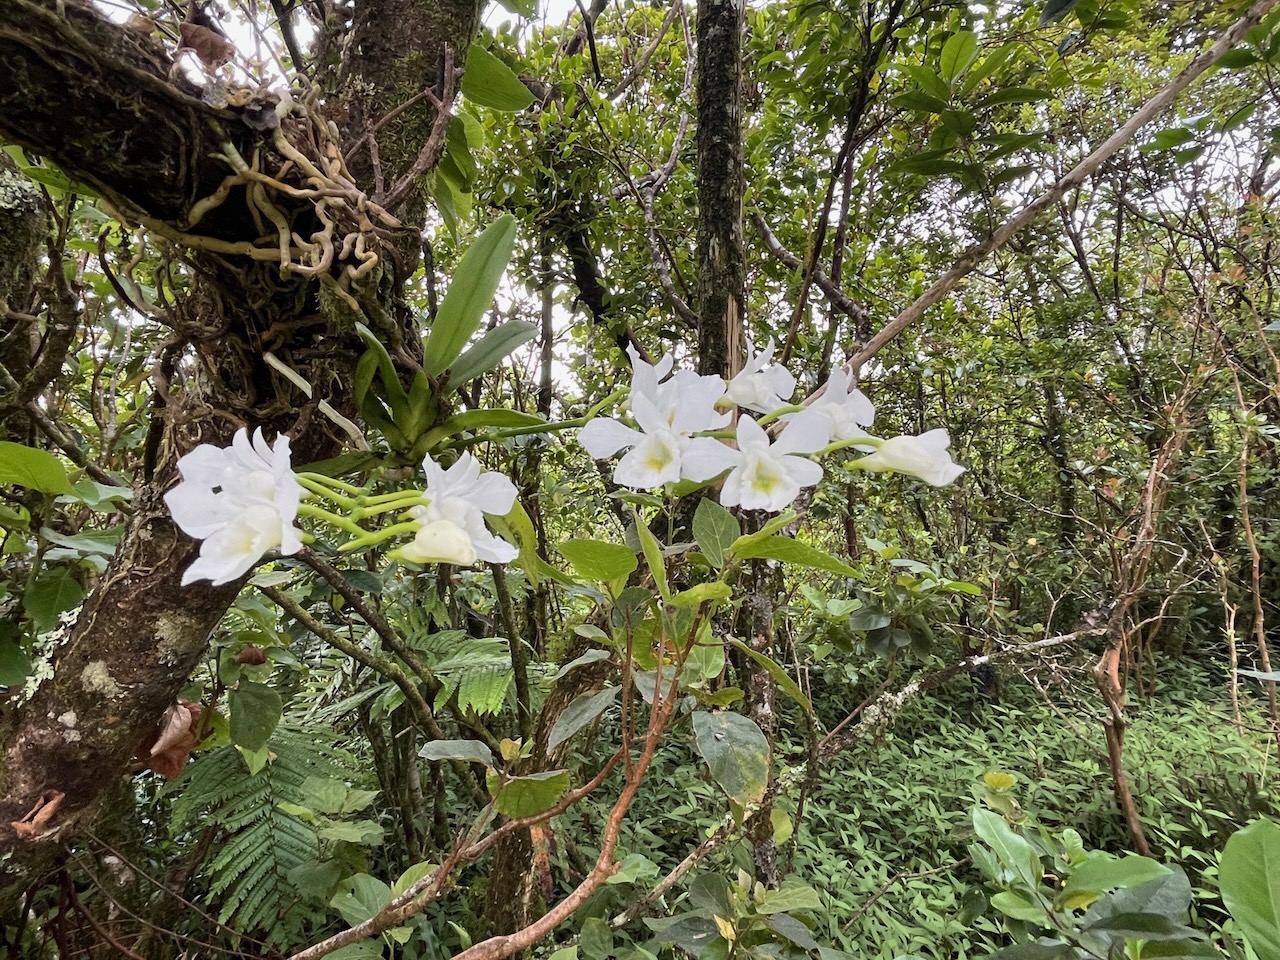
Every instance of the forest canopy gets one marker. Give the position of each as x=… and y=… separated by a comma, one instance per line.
x=638, y=480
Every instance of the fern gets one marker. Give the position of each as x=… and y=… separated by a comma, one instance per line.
x=249, y=874
x=478, y=670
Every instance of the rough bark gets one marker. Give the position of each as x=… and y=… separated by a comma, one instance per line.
x=721, y=256
x=104, y=104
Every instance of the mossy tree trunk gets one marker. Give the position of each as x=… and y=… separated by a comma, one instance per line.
x=104, y=103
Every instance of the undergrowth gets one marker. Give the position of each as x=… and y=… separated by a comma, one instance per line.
x=884, y=812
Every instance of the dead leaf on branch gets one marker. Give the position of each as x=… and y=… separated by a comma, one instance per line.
x=167, y=750
x=211, y=47
x=37, y=819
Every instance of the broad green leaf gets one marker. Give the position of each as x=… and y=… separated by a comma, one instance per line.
x=15, y=665
x=54, y=592
x=1016, y=905
x=736, y=752
x=530, y=795
x=410, y=877
x=700, y=593
x=324, y=794
x=958, y=54
x=490, y=350
x=789, y=550
x=255, y=711
x=1055, y=10
x=1102, y=872
x=582, y=710
x=1013, y=851
x=314, y=879
x=360, y=897
x=354, y=831
x=1249, y=876
x=919, y=100
x=591, y=656
x=793, y=930
x=987, y=66
x=712, y=892
x=635, y=866
x=1141, y=926
x=598, y=561
x=692, y=932
x=779, y=675
x=491, y=83
x=791, y=896
x=94, y=494
x=468, y=751
x=595, y=939
x=470, y=293
x=1015, y=95
x=928, y=82
x=715, y=530
x=32, y=468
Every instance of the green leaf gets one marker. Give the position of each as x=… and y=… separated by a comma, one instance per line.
x=715, y=530
x=958, y=54
x=596, y=939
x=496, y=417
x=32, y=468
x=1249, y=876
x=791, y=896
x=919, y=100
x=54, y=592
x=789, y=550
x=1015, y=95
x=591, y=656
x=360, y=897
x=653, y=557
x=775, y=670
x=635, y=866
x=1055, y=10
x=491, y=349
x=410, y=877
x=1103, y=872
x=598, y=561
x=582, y=710
x=1016, y=905
x=491, y=83
x=15, y=665
x=527, y=796
x=793, y=930
x=736, y=752
x=468, y=751
x=1141, y=926
x=470, y=293
x=255, y=711
x=928, y=82
x=1013, y=851
x=988, y=66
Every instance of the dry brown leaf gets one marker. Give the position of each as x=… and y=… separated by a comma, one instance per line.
x=37, y=819
x=168, y=748
x=211, y=47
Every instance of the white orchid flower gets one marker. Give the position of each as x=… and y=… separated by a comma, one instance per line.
x=240, y=500
x=764, y=475
x=759, y=389
x=924, y=456
x=668, y=413
x=846, y=408
x=453, y=528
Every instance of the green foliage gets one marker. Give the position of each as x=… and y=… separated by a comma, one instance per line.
x=249, y=874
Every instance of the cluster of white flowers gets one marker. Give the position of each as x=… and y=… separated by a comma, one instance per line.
x=240, y=500
x=453, y=528
x=674, y=412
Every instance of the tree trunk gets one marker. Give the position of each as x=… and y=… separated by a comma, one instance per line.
x=105, y=104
